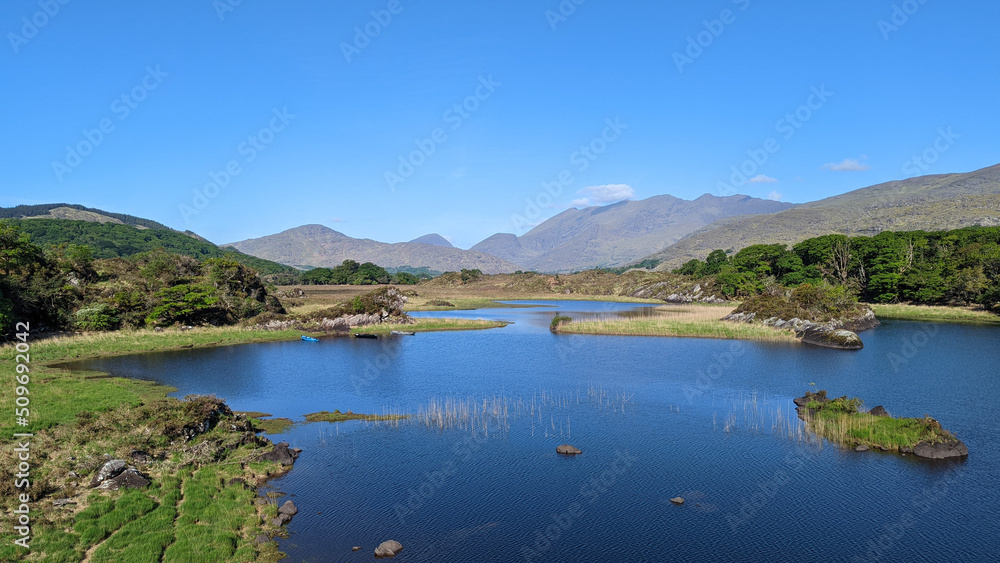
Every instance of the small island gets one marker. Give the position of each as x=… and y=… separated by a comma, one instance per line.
x=839, y=420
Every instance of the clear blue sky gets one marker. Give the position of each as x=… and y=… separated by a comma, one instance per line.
x=199, y=81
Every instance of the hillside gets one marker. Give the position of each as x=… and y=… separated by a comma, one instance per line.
x=319, y=246
x=617, y=234
x=931, y=203
x=115, y=239
x=76, y=213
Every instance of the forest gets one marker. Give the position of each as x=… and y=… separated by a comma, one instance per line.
x=958, y=267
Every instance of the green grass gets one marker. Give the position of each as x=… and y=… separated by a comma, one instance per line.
x=427, y=325
x=939, y=314
x=698, y=322
x=337, y=416
x=840, y=422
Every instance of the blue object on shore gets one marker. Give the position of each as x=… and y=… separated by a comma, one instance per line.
x=309, y=338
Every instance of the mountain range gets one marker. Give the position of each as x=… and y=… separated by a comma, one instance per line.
x=930, y=203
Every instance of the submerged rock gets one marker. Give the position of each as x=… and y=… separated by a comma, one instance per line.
x=567, y=450
x=388, y=548
x=862, y=448
x=677, y=500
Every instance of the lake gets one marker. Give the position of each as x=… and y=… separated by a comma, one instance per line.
x=475, y=476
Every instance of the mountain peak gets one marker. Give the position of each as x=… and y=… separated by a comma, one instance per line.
x=433, y=239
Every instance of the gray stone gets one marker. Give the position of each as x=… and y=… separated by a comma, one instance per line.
x=567, y=449
x=109, y=470
x=677, y=500
x=288, y=508
x=861, y=448
x=128, y=479
x=388, y=548
x=941, y=450
x=878, y=411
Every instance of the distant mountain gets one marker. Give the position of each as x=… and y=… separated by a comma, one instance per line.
x=316, y=245
x=433, y=239
x=617, y=234
x=930, y=203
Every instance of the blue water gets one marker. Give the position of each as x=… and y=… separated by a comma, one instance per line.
x=708, y=420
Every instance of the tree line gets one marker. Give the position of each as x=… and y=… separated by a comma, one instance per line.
x=957, y=267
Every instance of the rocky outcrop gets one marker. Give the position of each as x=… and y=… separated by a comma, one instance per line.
x=567, y=449
x=388, y=548
x=878, y=411
x=108, y=470
x=694, y=295
x=832, y=334
x=117, y=474
x=840, y=339
x=282, y=454
x=941, y=450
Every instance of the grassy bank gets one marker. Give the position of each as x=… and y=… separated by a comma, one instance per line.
x=839, y=421
x=430, y=325
x=702, y=321
x=930, y=313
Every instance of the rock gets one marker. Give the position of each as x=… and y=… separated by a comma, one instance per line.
x=281, y=454
x=941, y=450
x=261, y=538
x=109, y=470
x=567, y=449
x=128, y=479
x=63, y=502
x=878, y=411
x=677, y=500
x=839, y=339
x=819, y=397
x=356, y=548
x=388, y=548
x=288, y=508
x=861, y=448
x=281, y=520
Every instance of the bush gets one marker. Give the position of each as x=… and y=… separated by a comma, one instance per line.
x=97, y=317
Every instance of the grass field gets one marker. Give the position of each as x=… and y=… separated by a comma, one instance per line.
x=702, y=321
x=930, y=313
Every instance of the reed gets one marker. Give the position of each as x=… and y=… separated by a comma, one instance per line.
x=703, y=321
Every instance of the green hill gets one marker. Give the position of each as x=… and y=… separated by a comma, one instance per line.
x=111, y=240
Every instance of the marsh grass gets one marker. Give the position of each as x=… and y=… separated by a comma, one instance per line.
x=860, y=428
x=703, y=321
x=932, y=313
x=758, y=414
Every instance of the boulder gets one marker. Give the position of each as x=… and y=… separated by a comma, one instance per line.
x=839, y=339
x=110, y=469
x=878, y=411
x=861, y=448
x=388, y=548
x=281, y=454
x=941, y=450
x=356, y=548
x=677, y=500
x=281, y=520
x=128, y=479
x=288, y=508
x=261, y=538
x=567, y=450
x=819, y=397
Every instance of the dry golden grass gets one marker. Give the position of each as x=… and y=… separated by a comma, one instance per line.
x=700, y=321
x=933, y=313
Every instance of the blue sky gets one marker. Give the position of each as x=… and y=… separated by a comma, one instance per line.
x=242, y=119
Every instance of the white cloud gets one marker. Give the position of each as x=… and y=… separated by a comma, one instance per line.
x=582, y=202
x=848, y=165
x=774, y=195
x=761, y=179
x=607, y=193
